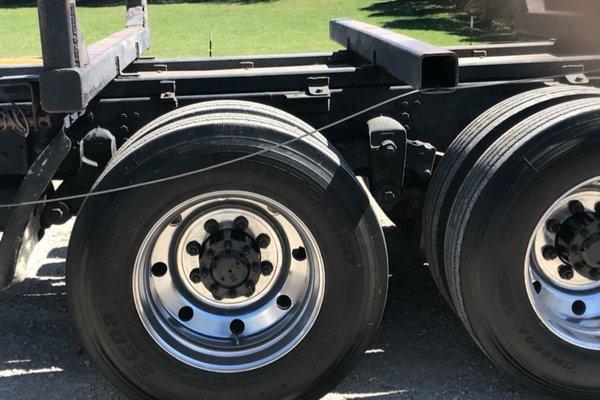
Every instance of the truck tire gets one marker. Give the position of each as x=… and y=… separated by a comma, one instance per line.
x=262, y=279
x=219, y=107
x=465, y=150
x=522, y=250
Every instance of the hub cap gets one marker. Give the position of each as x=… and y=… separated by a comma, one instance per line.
x=229, y=282
x=563, y=266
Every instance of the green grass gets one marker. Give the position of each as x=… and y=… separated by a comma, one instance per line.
x=246, y=27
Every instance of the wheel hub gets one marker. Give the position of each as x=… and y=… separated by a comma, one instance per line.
x=229, y=281
x=578, y=244
x=230, y=264
x=563, y=266
x=591, y=251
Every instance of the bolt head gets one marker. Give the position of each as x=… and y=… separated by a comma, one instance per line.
x=266, y=268
x=549, y=253
x=553, y=226
x=566, y=272
x=263, y=240
x=211, y=226
x=210, y=253
x=240, y=223
x=576, y=207
x=246, y=250
x=250, y=288
x=256, y=267
x=193, y=248
x=388, y=148
x=195, y=276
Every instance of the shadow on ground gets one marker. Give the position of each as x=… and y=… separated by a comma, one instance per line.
x=420, y=352
x=433, y=15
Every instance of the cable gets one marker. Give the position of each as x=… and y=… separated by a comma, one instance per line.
x=279, y=145
x=10, y=118
x=206, y=169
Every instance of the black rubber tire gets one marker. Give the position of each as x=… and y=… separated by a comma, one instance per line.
x=218, y=107
x=460, y=157
x=497, y=208
x=306, y=176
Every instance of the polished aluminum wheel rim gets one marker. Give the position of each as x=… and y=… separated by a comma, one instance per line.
x=563, y=288
x=252, y=318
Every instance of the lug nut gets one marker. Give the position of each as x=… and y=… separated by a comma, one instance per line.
x=553, y=226
x=549, y=253
x=195, y=276
x=193, y=248
x=211, y=226
x=240, y=223
x=388, y=148
x=250, y=288
x=566, y=272
x=227, y=245
x=576, y=207
x=266, y=268
x=263, y=241
x=256, y=267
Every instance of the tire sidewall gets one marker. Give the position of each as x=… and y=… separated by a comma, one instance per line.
x=493, y=254
x=319, y=194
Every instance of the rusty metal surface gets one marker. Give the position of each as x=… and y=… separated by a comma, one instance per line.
x=72, y=69
x=78, y=86
x=416, y=63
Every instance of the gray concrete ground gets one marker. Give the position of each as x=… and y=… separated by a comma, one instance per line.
x=420, y=352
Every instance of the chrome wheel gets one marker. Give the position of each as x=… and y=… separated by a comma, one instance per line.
x=563, y=266
x=229, y=282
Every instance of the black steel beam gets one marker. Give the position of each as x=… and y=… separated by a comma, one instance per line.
x=72, y=74
x=71, y=89
x=62, y=44
x=512, y=68
x=503, y=49
x=416, y=63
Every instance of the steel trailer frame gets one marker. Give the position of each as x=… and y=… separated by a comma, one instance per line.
x=110, y=86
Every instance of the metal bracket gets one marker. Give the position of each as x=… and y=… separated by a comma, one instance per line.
x=387, y=141
x=168, y=93
x=577, y=77
x=319, y=86
x=420, y=157
x=316, y=98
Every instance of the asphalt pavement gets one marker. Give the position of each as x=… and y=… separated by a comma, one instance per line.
x=420, y=352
